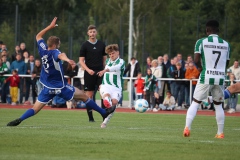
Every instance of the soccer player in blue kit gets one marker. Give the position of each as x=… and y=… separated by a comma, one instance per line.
x=52, y=78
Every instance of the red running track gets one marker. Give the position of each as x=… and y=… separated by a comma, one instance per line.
x=128, y=110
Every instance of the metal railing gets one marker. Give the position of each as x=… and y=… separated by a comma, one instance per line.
x=130, y=84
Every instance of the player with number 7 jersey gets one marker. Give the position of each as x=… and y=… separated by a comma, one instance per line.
x=214, y=54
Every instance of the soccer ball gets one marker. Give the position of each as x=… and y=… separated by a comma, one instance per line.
x=141, y=105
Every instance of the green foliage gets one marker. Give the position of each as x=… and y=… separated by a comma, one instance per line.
x=68, y=135
x=7, y=36
x=159, y=26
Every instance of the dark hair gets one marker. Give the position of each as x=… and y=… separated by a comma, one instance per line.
x=133, y=58
x=212, y=25
x=168, y=92
x=1, y=42
x=14, y=70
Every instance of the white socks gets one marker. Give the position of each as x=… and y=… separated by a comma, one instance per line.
x=191, y=113
x=220, y=118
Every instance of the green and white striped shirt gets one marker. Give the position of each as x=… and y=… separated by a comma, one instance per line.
x=115, y=74
x=214, y=54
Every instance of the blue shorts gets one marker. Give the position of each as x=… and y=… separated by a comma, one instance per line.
x=47, y=94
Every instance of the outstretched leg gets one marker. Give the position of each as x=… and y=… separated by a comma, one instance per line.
x=29, y=113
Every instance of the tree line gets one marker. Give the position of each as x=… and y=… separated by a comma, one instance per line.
x=159, y=26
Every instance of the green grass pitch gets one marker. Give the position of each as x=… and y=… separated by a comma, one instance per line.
x=67, y=135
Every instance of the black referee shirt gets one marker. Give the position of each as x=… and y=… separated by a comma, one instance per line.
x=93, y=54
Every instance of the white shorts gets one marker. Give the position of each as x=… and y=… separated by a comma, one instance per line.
x=114, y=92
x=202, y=90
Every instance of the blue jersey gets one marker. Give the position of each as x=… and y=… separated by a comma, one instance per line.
x=51, y=75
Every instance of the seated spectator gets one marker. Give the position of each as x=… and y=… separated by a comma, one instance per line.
x=168, y=103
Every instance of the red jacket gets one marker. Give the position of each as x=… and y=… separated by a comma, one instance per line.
x=14, y=80
x=139, y=84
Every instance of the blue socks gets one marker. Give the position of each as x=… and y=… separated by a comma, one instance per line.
x=27, y=114
x=92, y=105
x=227, y=94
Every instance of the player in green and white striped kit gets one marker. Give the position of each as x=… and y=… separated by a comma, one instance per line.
x=111, y=88
x=214, y=53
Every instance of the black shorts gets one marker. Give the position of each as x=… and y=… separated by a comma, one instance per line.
x=91, y=81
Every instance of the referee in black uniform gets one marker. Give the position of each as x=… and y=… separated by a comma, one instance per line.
x=92, y=59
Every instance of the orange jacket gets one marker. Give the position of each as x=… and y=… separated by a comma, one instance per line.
x=192, y=74
x=139, y=84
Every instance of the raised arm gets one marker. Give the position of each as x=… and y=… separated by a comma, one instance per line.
x=42, y=32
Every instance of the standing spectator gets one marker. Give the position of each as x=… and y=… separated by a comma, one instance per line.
x=170, y=70
x=192, y=73
x=215, y=59
x=3, y=48
x=21, y=68
x=4, y=86
x=180, y=59
x=139, y=84
x=4, y=60
x=234, y=97
x=133, y=68
x=179, y=86
x=36, y=73
x=189, y=59
x=92, y=59
x=17, y=50
x=166, y=61
x=149, y=62
x=30, y=82
x=149, y=88
x=164, y=75
x=26, y=57
x=157, y=72
x=236, y=69
x=166, y=64
x=22, y=48
x=14, y=82
x=168, y=103
x=160, y=60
